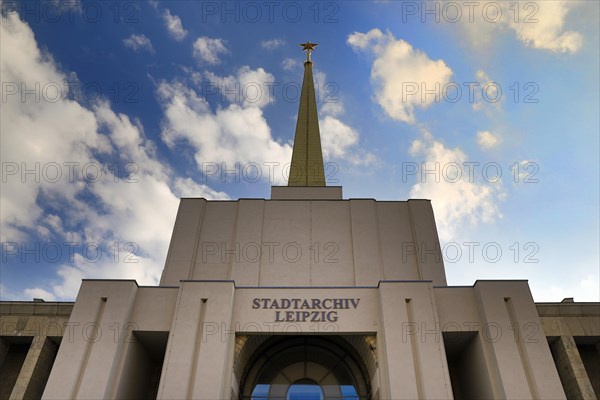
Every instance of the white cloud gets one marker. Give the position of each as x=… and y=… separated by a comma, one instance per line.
x=129, y=217
x=37, y=293
x=7, y=294
x=329, y=98
x=187, y=187
x=48, y=225
x=22, y=144
x=336, y=137
x=333, y=108
x=194, y=76
x=581, y=288
x=489, y=88
x=327, y=92
x=230, y=135
x=138, y=43
x=339, y=140
x=208, y=50
x=290, y=64
x=416, y=147
x=250, y=87
x=133, y=246
x=131, y=265
x=400, y=73
x=272, y=44
x=487, y=140
x=539, y=25
x=374, y=40
x=548, y=32
x=174, y=25
x=457, y=198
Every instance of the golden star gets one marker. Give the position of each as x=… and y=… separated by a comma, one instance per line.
x=308, y=46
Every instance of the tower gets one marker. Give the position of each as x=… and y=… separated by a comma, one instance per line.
x=304, y=293
x=307, y=159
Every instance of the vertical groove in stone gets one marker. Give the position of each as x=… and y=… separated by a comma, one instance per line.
x=518, y=340
x=415, y=349
x=196, y=350
x=197, y=242
x=88, y=347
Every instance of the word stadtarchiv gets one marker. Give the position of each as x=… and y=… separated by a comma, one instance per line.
x=305, y=310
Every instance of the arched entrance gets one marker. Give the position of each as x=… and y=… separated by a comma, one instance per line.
x=305, y=368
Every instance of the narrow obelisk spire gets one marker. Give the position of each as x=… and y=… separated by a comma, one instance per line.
x=307, y=158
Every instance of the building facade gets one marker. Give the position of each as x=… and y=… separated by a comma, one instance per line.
x=305, y=295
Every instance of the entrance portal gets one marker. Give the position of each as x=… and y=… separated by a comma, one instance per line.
x=305, y=368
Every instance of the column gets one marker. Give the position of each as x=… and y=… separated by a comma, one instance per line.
x=88, y=359
x=413, y=349
x=571, y=370
x=196, y=360
x=35, y=370
x=514, y=345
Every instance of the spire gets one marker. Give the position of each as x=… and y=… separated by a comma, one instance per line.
x=307, y=159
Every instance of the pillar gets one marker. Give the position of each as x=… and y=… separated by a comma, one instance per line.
x=35, y=370
x=571, y=370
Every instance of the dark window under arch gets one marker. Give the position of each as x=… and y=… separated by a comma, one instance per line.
x=305, y=368
x=305, y=389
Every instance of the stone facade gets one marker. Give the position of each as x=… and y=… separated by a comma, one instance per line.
x=260, y=298
x=30, y=334
x=197, y=340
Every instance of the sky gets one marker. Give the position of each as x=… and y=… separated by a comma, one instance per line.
x=113, y=110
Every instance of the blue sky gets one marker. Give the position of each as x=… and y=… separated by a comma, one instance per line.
x=112, y=110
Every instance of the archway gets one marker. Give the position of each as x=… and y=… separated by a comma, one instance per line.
x=305, y=368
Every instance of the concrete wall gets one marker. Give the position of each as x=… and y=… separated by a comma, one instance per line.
x=506, y=355
x=570, y=319
x=515, y=350
x=355, y=242
x=198, y=364
x=411, y=349
x=87, y=365
x=30, y=333
x=573, y=331
x=180, y=340
x=140, y=370
x=590, y=356
x=571, y=369
x=14, y=355
x=470, y=376
x=107, y=344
